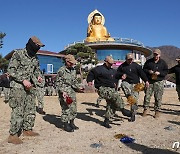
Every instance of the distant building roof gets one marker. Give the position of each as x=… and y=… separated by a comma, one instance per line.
x=40, y=52
x=49, y=53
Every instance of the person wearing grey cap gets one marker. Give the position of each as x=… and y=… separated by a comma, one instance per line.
x=130, y=73
x=106, y=85
x=67, y=85
x=176, y=70
x=156, y=69
x=24, y=74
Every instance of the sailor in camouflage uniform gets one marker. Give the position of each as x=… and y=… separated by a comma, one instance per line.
x=156, y=69
x=23, y=68
x=105, y=81
x=67, y=84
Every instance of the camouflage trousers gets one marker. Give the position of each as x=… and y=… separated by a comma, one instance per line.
x=99, y=99
x=158, y=89
x=178, y=91
x=128, y=90
x=6, y=93
x=23, y=108
x=40, y=96
x=50, y=90
x=113, y=99
x=69, y=111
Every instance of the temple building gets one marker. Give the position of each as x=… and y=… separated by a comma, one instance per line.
x=49, y=61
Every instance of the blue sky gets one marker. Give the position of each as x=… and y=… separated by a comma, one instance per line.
x=60, y=22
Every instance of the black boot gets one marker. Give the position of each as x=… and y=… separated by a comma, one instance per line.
x=106, y=123
x=130, y=114
x=126, y=112
x=72, y=125
x=67, y=127
x=133, y=113
x=41, y=111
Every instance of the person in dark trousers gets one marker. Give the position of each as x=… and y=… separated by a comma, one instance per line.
x=106, y=84
x=176, y=70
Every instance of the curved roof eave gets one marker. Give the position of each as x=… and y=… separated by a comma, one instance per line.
x=112, y=45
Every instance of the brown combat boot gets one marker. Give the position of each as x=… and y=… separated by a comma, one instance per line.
x=157, y=114
x=145, y=112
x=30, y=133
x=14, y=139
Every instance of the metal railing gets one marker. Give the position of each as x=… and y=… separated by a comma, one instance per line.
x=116, y=40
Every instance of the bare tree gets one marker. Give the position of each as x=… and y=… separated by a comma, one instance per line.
x=84, y=55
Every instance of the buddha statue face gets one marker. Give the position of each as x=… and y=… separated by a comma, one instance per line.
x=97, y=19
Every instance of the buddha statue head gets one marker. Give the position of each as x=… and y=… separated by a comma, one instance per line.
x=97, y=19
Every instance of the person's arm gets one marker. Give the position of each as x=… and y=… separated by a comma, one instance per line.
x=143, y=76
x=60, y=83
x=146, y=68
x=119, y=73
x=164, y=71
x=59, y=79
x=91, y=76
x=39, y=80
x=13, y=69
x=171, y=70
x=37, y=76
x=142, y=73
x=75, y=83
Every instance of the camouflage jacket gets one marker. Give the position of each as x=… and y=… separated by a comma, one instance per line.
x=23, y=67
x=39, y=84
x=66, y=80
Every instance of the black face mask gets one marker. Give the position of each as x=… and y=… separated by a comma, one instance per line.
x=32, y=48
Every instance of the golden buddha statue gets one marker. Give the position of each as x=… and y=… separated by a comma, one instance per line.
x=96, y=29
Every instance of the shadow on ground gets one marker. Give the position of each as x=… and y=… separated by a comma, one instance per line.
x=53, y=119
x=174, y=122
x=91, y=104
x=147, y=150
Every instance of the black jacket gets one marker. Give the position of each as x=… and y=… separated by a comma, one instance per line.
x=160, y=66
x=4, y=81
x=133, y=71
x=103, y=76
x=176, y=70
